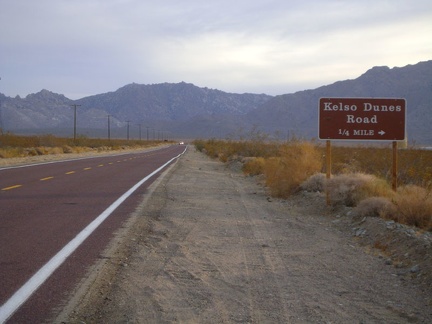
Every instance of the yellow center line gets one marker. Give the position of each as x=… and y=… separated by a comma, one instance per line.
x=85, y=169
x=12, y=187
x=70, y=172
x=111, y=163
x=47, y=178
x=100, y=165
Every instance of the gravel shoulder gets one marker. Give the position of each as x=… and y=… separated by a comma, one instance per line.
x=208, y=245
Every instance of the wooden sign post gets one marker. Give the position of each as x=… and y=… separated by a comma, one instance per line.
x=366, y=119
x=395, y=166
x=328, y=169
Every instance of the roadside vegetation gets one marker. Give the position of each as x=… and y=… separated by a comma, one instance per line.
x=21, y=146
x=361, y=175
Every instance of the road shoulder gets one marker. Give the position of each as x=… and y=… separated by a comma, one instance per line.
x=208, y=245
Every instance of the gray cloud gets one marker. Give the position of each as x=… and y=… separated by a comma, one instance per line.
x=84, y=47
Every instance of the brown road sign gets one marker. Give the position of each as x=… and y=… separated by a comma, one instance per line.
x=362, y=119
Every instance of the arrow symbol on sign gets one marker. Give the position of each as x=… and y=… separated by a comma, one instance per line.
x=381, y=132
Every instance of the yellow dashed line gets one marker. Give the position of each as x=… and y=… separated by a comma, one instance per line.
x=70, y=172
x=11, y=187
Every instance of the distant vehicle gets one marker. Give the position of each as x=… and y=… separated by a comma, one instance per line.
x=181, y=143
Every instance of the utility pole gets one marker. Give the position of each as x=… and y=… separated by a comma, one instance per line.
x=128, y=122
x=139, y=125
x=109, y=128
x=147, y=132
x=75, y=108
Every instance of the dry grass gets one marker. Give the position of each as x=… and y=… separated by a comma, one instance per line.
x=315, y=183
x=414, y=165
x=21, y=146
x=361, y=175
x=226, y=150
x=376, y=207
x=344, y=188
x=254, y=166
x=414, y=205
x=411, y=205
x=297, y=161
x=350, y=189
x=285, y=166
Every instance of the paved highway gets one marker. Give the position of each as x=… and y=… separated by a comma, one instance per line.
x=56, y=219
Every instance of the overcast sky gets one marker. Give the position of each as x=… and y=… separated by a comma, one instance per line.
x=84, y=47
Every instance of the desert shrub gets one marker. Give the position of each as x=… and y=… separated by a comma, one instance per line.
x=41, y=150
x=363, y=179
x=350, y=189
x=376, y=188
x=414, y=165
x=67, y=149
x=51, y=141
x=254, y=166
x=316, y=182
x=414, y=206
x=199, y=145
x=225, y=150
x=55, y=150
x=14, y=141
x=376, y=207
x=10, y=152
x=213, y=148
x=296, y=162
x=31, y=151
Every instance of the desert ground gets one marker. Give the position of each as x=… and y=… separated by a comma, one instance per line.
x=209, y=245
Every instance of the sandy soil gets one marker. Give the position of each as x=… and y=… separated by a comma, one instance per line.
x=209, y=246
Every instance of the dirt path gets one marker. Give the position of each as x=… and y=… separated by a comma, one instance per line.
x=209, y=246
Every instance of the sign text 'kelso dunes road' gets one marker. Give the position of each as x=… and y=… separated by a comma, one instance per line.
x=362, y=119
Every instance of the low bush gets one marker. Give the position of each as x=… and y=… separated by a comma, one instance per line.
x=296, y=162
x=350, y=189
x=254, y=166
x=200, y=145
x=225, y=150
x=414, y=205
x=362, y=175
x=315, y=183
x=414, y=164
x=410, y=205
x=10, y=152
x=376, y=207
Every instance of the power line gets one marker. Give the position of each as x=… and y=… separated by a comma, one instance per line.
x=75, y=107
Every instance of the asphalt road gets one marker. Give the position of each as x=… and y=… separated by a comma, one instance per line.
x=45, y=207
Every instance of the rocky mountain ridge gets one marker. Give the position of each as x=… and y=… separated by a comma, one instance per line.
x=184, y=110
x=297, y=113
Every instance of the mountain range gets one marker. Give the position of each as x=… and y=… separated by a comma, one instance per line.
x=183, y=110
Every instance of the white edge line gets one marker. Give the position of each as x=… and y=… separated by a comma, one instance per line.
x=24, y=293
